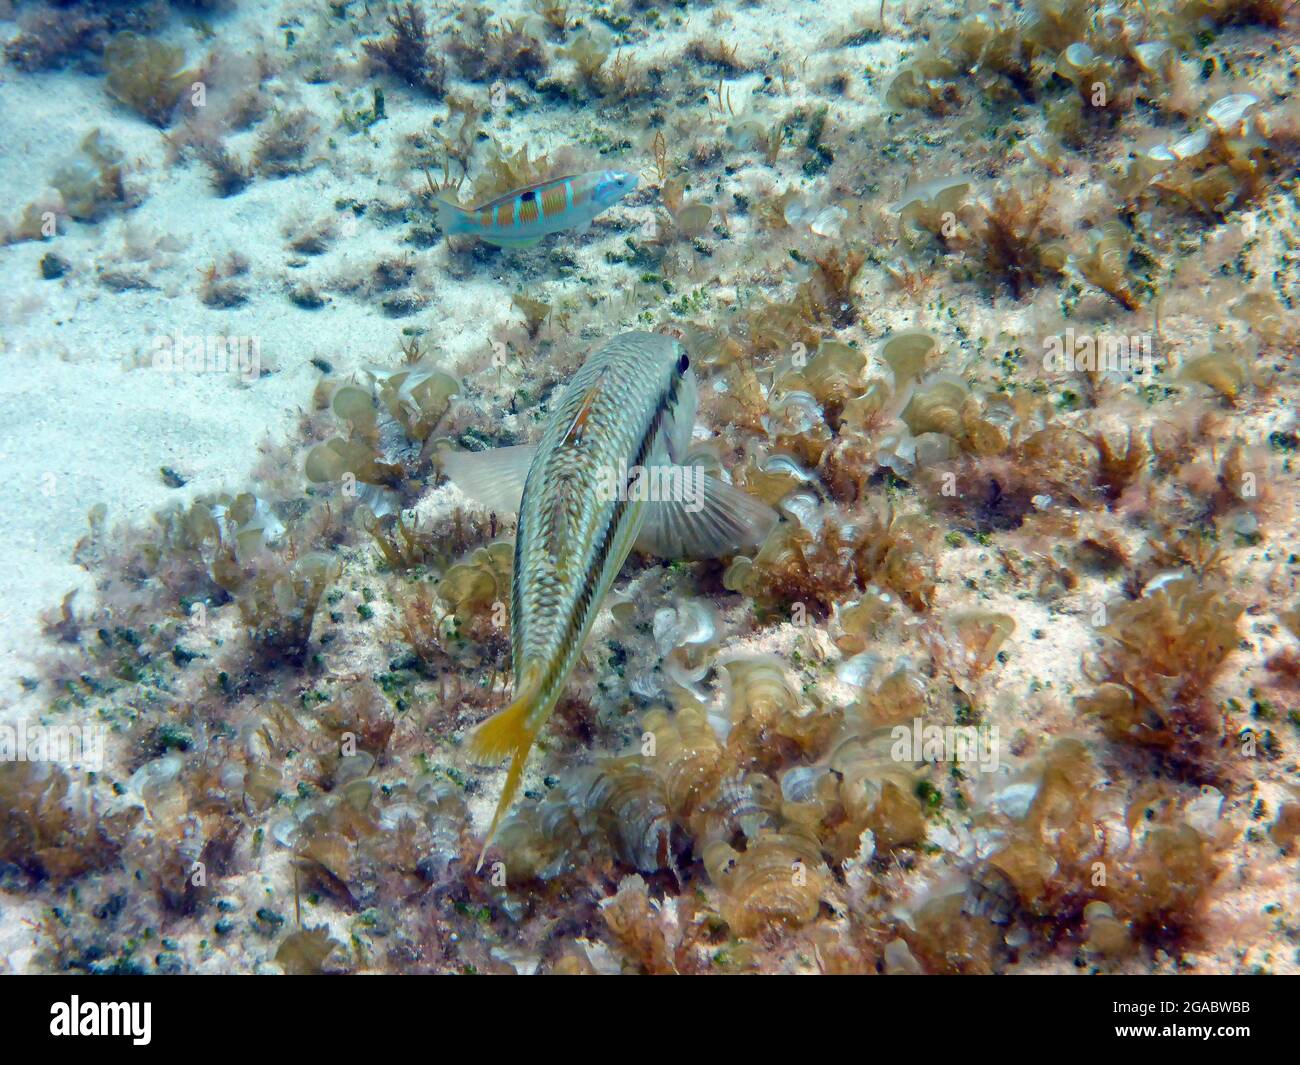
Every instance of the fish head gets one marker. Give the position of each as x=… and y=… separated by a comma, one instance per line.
x=612, y=186
x=676, y=378
x=683, y=419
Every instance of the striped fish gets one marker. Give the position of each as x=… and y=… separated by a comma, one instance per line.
x=631, y=406
x=523, y=217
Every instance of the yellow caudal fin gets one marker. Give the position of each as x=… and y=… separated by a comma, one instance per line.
x=505, y=733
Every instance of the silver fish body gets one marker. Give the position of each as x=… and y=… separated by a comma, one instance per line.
x=631, y=404
x=590, y=490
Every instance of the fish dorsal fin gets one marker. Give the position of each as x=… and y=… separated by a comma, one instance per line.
x=495, y=478
x=713, y=519
x=509, y=197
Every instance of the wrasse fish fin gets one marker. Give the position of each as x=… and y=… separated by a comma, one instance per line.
x=454, y=221
x=494, y=477
x=719, y=520
x=507, y=732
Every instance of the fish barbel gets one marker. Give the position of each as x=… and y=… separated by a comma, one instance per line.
x=521, y=218
x=623, y=423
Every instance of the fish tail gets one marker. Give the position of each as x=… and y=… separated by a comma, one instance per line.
x=505, y=733
x=453, y=220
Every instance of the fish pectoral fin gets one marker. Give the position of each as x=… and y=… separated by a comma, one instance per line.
x=494, y=477
x=719, y=520
x=507, y=732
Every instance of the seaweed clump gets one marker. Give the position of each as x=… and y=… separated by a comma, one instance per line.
x=55, y=36
x=284, y=146
x=505, y=171
x=1019, y=240
x=1231, y=161
x=1162, y=655
x=402, y=408
x=146, y=75
x=220, y=285
x=831, y=559
x=1106, y=264
x=483, y=52
x=789, y=788
x=227, y=173
x=46, y=831
x=402, y=544
x=1060, y=873
x=278, y=601
x=824, y=300
x=408, y=52
x=459, y=622
x=343, y=848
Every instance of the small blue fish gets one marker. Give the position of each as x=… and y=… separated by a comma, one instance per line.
x=521, y=218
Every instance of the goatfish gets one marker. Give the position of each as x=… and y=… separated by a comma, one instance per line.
x=627, y=414
x=521, y=218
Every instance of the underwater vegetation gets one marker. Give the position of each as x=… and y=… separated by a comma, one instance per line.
x=409, y=52
x=79, y=32
x=1164, y=650
x=994, y=304
x=146, y=75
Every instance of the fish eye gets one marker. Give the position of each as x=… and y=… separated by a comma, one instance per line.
x=683, y=364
